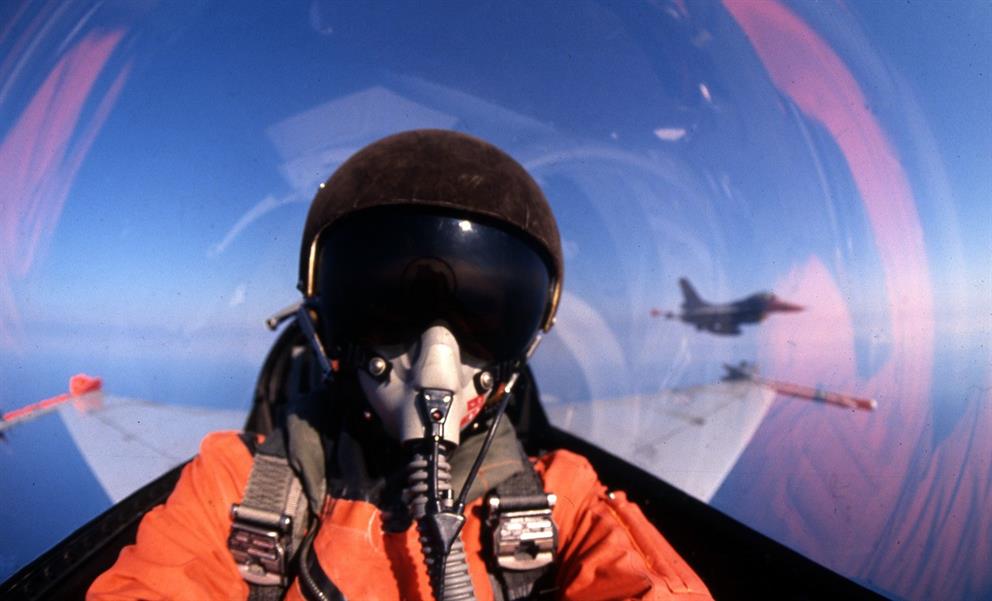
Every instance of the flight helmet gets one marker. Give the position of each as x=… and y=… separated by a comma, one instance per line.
x=431, y=263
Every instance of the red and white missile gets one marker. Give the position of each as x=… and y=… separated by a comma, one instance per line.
x=80, y=385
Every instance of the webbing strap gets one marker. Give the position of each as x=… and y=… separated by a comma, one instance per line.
x=269, y=522
x=523, y=506
x=265, y=593
x=269, y=488
x=525, y=483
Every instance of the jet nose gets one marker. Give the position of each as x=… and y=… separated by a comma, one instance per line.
x=777, y=304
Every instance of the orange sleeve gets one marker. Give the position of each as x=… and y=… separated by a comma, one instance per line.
x=181, y=548
x=607, y=548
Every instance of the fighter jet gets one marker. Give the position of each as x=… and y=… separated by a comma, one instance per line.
x=725, y=318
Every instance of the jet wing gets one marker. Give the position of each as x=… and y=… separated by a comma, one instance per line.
x=722, y=325
x=129, y=442
x=691, y=437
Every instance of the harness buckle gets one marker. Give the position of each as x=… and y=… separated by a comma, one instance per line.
x=524, y=535
x=258, y=542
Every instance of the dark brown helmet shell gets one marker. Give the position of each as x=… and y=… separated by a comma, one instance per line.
x=435, y=168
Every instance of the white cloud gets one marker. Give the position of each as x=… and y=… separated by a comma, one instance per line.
x=238, y=297
x=670, y=134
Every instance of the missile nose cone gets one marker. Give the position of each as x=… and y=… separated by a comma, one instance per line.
x=80, y=384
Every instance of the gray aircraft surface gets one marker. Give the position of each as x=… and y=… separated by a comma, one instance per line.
x=725, y=318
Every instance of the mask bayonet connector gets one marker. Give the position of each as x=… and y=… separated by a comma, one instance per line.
x=434, y=405
x=378, y=368
x=484, y=381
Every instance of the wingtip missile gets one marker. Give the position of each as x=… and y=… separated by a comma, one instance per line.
x=80, y=386
x=749, y=371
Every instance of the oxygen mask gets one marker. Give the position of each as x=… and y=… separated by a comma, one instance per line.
x=427, y=389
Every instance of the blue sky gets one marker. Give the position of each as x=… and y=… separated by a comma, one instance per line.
x=658, y=133
x=185, y=153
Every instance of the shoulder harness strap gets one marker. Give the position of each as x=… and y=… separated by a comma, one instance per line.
x=270, y=522
x=524, y=537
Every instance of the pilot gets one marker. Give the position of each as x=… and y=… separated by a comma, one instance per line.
x=430, y=266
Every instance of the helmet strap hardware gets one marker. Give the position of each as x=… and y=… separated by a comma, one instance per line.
x=484, y=381
x=310, y=332
x=533, y=345
x=378, y=368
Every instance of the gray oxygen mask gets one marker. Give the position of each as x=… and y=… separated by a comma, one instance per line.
x=427, y=388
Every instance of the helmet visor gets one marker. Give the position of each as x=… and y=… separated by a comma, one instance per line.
x=386, y=276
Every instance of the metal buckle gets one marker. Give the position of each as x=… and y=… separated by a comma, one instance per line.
x=524, y=538
x=259, y=545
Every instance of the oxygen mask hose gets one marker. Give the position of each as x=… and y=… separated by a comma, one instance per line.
x=429, y=495
x=440, y=536
x=431, y=503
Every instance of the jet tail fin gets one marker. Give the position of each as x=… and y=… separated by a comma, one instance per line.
x=691, y=298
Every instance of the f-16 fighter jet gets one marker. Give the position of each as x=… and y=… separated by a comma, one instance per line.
x=725, y=318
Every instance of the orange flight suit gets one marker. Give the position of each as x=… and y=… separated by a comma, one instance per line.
x=607, y=548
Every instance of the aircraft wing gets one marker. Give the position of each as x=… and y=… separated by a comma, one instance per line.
x=129, y=442
x=691, y=437
x=722, y=325
x=733, y=330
